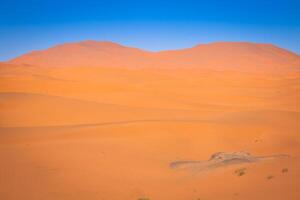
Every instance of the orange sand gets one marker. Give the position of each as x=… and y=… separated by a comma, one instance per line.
x=97, y=120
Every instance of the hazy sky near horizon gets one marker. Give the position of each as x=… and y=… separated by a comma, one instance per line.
x=27, y=25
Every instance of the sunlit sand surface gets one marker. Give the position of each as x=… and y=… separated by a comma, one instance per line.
x=101, y=121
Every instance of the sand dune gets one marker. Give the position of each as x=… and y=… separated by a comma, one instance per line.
x=238, y=56
x=98, y=120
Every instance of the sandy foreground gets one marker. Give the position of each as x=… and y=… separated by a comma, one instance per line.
x=111, y=133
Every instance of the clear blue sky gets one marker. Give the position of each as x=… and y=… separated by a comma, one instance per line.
x=152, y=25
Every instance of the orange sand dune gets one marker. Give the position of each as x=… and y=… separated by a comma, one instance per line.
x=97, y=120
x=239, y=56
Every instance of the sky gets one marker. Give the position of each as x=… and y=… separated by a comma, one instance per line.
x=27, y=25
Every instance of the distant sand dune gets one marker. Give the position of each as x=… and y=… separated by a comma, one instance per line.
x=238, y=56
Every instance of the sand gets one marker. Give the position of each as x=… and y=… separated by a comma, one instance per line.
x=106, y=131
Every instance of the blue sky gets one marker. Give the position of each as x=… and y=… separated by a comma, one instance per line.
x=152, y=25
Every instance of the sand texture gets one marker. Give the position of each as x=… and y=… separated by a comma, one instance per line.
x=98, y=120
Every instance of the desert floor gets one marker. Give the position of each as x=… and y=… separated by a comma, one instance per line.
x=111, y=133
